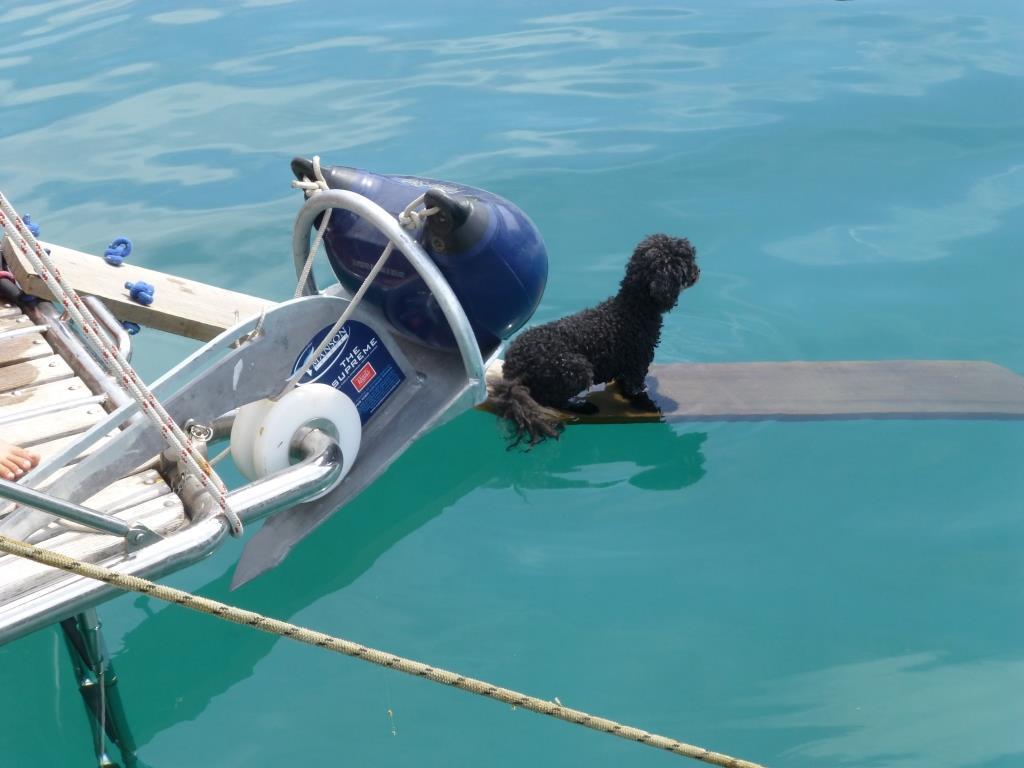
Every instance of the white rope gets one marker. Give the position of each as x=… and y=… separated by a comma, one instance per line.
x=220, y=456
x=313, y=187
x=410, y=218
x=113, y=360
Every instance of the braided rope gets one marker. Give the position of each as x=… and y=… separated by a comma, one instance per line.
x=113, y=360
x=307, y=185
x=355, y=650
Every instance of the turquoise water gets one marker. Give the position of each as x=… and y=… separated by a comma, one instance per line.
x=798, y=594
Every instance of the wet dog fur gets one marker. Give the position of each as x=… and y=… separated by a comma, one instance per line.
x=548, y=366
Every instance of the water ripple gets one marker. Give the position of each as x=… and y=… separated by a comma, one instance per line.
x=896, y=712
x=911, y=233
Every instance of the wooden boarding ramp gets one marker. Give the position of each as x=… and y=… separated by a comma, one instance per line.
x=47, y=401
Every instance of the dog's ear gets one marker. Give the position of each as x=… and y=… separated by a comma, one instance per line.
x=691, y=273
x=666, y=285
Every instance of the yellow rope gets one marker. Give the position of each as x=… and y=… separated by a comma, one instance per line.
x=340, y=645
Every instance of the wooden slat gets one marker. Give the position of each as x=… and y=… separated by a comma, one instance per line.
x=183, y=307
x=138, y=488
x=141, y=485
x=51, y=393
x=19, y=576
x=892, y=389
x=11, y=322
x=22, y=348
x=53, y=447
x=42, y=429
x=34, y=372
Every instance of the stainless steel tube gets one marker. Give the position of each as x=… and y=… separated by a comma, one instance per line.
x=115, y=331
x=71, y=594
x=30, y=497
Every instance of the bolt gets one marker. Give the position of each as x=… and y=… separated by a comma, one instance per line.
x=200, y=432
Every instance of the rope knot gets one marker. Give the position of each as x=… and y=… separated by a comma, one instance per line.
x=117, y=251
x=312, y=185
x=32, y=226
x=412, y=219
x=141, y=292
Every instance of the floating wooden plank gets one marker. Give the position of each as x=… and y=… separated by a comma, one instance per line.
x=183, y=307
x=34, y=372
x=890, y=389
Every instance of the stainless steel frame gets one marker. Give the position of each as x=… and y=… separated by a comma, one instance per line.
x=239, y=367
x=64, y=341
x=135, y=536
x=213, y=380
x=114, y=330
x=417, y=257
x=307, y=480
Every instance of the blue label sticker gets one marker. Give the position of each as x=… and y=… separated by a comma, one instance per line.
x=357, y=363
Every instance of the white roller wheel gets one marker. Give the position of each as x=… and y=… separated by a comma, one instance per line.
x=243, y=435
x=310, y=405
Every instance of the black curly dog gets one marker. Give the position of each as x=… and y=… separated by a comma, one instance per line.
x=547, y=366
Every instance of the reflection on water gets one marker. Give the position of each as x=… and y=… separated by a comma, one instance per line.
x=412, y=493
x=913, y=234
x=896, y=712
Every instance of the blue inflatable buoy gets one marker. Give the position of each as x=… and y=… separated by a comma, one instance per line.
x=141, y=292
x=488, y=250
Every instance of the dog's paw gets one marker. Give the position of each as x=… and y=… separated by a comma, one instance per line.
x=643, y=402
x=580, y=407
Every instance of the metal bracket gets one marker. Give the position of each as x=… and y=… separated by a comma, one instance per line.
x=97, y=683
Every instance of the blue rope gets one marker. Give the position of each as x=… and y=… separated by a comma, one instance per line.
x=117, y=251
x=132, y=328
x=32, y=226
x=141, y=292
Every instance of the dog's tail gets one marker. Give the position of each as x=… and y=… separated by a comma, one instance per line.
x=527, y=419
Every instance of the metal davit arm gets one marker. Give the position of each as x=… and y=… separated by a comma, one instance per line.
x=417, y=257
